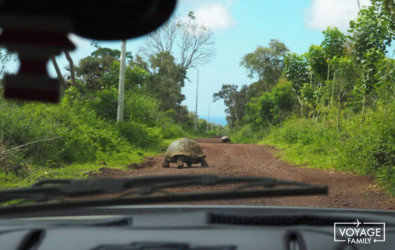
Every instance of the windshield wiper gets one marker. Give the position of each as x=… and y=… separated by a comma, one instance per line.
x=153, y=189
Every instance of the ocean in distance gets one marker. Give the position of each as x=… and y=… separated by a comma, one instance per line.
x=215, y=119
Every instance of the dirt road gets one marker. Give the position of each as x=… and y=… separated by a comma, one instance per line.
x=345, y=190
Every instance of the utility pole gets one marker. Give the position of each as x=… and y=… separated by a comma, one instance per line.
x=208, y=116
x=121, y=87
x=197, y=91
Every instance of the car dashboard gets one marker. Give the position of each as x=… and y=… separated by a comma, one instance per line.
x=188, y=227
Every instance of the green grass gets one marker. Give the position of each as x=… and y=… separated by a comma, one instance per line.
x=79, y=141
x=305, y=143
x=35, y=173
x=303, y=156
x=367, y=149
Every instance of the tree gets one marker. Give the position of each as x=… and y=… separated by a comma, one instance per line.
x=318, y=63
x=283, y=101
x=296, y=70
x=90, y=71
x=371, y=33
x=334, y=43
x=135, y=77
x=318, y=58
x=93, y=68
x=71, y=67
x=257, y=112
x=228, y=93
x=166, y=80
x=57, y=70
x=235, y=101
x=242, y=97
x=388, y=10
x=345, y=73
x=115, y=54
x=139, y=62
x=270, y=108
x=386, y=77
x=308, y=99
x=196, y=43
x=266, y=63
x=193, y=43
x=371, y=30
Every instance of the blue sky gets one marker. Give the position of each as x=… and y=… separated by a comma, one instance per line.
x=239, y=27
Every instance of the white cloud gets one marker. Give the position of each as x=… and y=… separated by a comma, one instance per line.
x=214, y=16
x=335, y=13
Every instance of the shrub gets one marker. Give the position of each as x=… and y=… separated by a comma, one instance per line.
x=139, y=134
x=371, y=148
x=170, y=131
x=246, y=134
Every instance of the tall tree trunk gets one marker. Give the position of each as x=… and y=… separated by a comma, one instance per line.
x=71, y=65
x=301, y=107
x=58, y=73
x=338, y=113
x=329, y=70
x=328, y=107
x=363, y=109
x=333, y=87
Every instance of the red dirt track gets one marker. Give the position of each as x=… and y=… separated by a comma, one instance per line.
x=345, y=190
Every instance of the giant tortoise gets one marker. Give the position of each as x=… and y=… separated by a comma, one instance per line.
x=182, y=151
x=225, y=139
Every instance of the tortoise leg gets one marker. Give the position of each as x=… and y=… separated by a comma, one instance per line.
x=189, y=164
x=165, y=163
x=204, y=163
x=180, y=163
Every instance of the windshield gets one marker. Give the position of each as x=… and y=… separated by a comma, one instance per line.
x=299, y=91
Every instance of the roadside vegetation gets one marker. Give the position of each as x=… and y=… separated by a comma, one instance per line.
x=81, y=133
x=332, y=107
